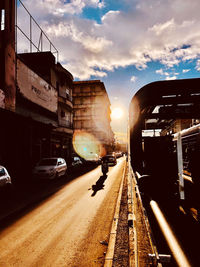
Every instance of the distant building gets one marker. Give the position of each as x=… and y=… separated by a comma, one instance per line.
x=92, y=112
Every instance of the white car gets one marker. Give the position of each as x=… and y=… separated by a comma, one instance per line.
x=50, y=168
x=5, y=179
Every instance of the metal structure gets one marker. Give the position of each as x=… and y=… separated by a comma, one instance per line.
x=157, y=106
x=38, y=41
x=165, y=108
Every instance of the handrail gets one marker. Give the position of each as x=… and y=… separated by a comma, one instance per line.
x=172, y=242
x=146, y=221
x=42, y=33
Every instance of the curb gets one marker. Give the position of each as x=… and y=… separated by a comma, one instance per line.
x=133, y=248
x=111, y=244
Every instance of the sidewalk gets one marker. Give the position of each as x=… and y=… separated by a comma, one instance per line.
x=132, y=244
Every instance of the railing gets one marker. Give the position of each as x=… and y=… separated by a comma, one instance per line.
x=65, y=123
x=30, y=33
x=168, y=234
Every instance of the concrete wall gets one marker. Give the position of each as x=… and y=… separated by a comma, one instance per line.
x=36, y=89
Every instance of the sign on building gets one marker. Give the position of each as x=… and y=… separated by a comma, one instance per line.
x=36, y=89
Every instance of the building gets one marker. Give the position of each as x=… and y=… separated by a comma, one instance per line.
x=65, y=113
x=35, y=102
x=7, y=55
x=92, y=113
x=48, y=85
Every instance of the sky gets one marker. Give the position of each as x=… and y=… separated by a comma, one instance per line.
x=124, y=43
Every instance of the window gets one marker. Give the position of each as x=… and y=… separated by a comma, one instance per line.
x=78, y=112
x=57, y=86
x=77, y=90
x=62, y=114
x=87, y=89
x=67, y=93
x=77, y=124
x=2, y=19
x=86, y=124
x=86, y=100
x=77, y=100
x=68, y=116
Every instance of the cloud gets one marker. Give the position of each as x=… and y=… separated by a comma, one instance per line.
x=162, y=72
x=185, y=70
x=133, y=78
x=59, y=7
x=171, y=78
x=154, y=30
x=198, y=65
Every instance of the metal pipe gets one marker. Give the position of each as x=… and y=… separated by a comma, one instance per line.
x=172, y=242
x=180, y=166
x=30, y=34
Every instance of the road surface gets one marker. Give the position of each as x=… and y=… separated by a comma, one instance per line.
x=66, y=228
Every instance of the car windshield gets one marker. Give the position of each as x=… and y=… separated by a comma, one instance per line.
x=48, y=162
x=2, y=172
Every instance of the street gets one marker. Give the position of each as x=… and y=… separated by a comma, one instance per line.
x=66, y=228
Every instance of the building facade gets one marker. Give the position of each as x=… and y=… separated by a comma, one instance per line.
x=92, y=112
x=44, y=93
x=35, y=103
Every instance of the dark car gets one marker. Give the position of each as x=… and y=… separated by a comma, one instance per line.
x=76, y=162
x=111, y=159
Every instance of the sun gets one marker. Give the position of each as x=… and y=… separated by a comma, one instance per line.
x=117, y=113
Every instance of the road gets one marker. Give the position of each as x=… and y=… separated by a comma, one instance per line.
x=66, y=228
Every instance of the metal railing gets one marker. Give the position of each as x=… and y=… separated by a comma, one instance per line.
x=42, y=44
x=168, y=234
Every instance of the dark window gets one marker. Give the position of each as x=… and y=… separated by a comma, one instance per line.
x=57, y=86
x=62, y=113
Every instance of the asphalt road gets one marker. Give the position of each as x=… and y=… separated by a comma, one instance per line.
x=66, y=228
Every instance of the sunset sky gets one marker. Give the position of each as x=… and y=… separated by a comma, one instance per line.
x=124, y=43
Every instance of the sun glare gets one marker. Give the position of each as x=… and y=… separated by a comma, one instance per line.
x=117, y=113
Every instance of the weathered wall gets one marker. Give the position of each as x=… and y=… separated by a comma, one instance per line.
x=36, y=89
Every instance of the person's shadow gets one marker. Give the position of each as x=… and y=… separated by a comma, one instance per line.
x=99, y=185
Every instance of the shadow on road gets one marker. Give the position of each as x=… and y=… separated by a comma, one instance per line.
x=26, y=194
x=99, y=185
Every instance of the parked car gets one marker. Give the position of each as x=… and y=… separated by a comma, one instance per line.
x=5, y=180
x=93, y=159
x=119, y=154
x=111, y=159
x=76, y=162
x=50, y=168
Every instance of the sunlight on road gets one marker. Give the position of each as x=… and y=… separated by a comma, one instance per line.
x=51, y=233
